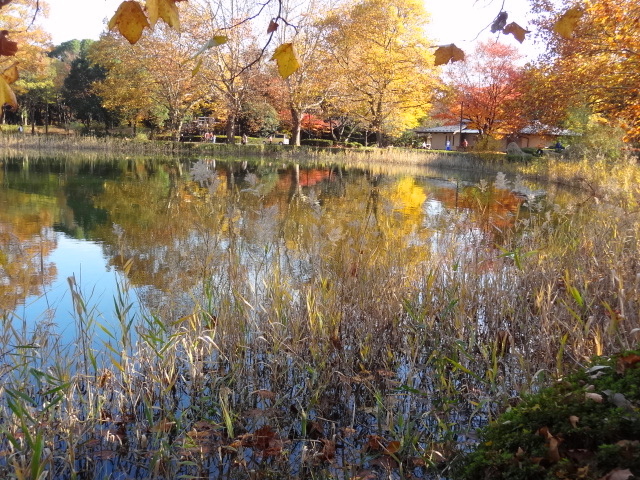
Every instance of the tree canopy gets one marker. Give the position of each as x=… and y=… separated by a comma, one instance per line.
x=357, y=65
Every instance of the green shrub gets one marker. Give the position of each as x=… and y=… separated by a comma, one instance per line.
x=316, y=142
x=584, y=426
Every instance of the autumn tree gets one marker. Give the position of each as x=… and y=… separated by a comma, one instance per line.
x=315, y=81
x=594, y=58
x=127, y=88
x=227, y=69
x=159, y=70
x=486, y=86
x=382, y=58
x=23, y=48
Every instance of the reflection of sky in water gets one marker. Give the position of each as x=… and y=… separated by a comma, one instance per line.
x=430, y=205
x=86, y=261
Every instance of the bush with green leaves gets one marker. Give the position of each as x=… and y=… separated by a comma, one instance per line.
x=317, y=142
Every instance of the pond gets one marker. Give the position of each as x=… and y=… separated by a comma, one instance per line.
x=86, y=219
x=261, y=310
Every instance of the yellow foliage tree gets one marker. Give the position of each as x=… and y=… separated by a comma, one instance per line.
x=382, y=57
x=159, y=70
x=24, y=46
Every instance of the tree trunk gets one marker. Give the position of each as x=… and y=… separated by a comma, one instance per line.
x=46, y=119
x=296, y=119
x=231, y=129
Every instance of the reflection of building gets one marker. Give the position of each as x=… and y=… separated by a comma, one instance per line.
x=533, y=136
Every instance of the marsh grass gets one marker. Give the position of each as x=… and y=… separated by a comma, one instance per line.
x=379, y=358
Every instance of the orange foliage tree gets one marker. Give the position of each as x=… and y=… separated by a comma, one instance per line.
x=486, y=88
x=593, y=59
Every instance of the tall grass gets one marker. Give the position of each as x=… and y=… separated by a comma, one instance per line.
x=326, y=354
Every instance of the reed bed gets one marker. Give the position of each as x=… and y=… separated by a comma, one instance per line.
x=374, y=360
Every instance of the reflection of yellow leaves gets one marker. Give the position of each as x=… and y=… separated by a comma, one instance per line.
x=407, y=196
x=11, y=74
x=568, y=22
x=130, y=20
x=516, y=30
x=167, y=10
x=7, y=97
x=286, y=58
x=448, y=53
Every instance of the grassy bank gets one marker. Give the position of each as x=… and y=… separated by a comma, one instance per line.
x=381, y=364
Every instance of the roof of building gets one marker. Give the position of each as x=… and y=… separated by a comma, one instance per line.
x=446, y=129
x=535, y=128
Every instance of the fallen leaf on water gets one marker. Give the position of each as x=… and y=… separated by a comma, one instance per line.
x=130, y=21
x=104, y=455
x=392, y=447
x=448, y=53
x=265, y=394
x=163, y=426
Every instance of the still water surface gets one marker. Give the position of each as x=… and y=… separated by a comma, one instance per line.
x=164, y=230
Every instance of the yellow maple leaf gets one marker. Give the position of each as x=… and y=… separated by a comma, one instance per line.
x=167, y=10
x=568, y=22
x=7, y=97
x=11, y=74
x=448, y=53
x=130, y=20
x=516, y=30
x=287, y=59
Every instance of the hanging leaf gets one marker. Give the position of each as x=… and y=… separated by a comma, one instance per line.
x=568, y=22
x=516, y=30
x=7, y=97
x=167, y=10
x=196, y=69
x=287, y=60
x=499, y=23
x=448, y=53
x=213, y=42
x=7, y=47
x=130, y=21
x=273, y=26
x=11, y=74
